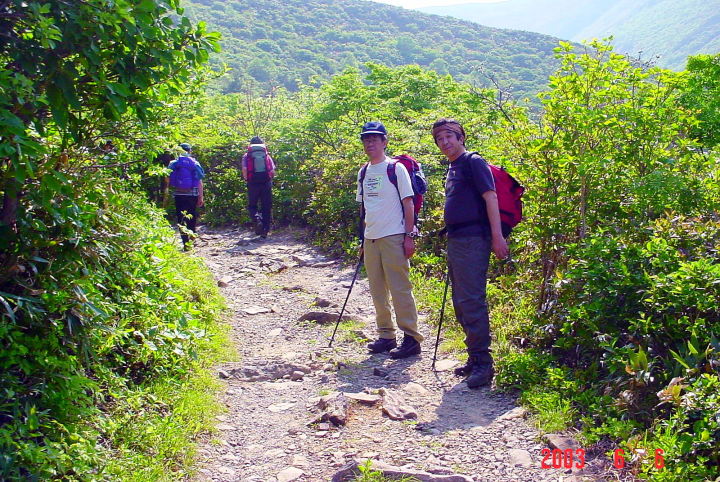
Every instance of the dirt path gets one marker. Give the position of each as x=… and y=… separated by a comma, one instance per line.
x=272, y=392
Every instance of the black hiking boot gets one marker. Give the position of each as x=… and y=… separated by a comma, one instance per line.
x=464, y=370
x=259, y=228
x=409, y=347
x=382, y=344
x=481, y=374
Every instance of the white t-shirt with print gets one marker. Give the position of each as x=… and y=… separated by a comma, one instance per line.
x=383, y=211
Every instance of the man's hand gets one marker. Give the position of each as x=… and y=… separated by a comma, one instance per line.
x=500, y=247
x=200, y=202
x=409, y=247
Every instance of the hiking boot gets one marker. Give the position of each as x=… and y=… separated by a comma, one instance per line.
x=382, y=344
x=464, y=370
x=409, y=347
x=259, y=228
x=481, y=374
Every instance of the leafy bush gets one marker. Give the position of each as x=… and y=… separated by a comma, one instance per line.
x=109, y=313
x=689, y=438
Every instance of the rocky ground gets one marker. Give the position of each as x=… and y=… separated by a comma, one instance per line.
x=298, y=410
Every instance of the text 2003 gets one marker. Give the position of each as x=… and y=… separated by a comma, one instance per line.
x=558, y=459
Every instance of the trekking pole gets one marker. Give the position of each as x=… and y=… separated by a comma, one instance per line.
x=442, y=315
x=357, y=269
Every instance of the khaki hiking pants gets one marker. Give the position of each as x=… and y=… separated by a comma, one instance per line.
x=388, y=271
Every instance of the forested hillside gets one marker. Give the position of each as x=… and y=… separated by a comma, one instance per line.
x=288, y=42
x=672, y=29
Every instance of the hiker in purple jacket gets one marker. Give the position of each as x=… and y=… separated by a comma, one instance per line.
x=473, y=225
x=258, y=170
x=186, y=179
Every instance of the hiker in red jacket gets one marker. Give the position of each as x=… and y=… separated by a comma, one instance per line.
x=473, y=225
x=258, y=170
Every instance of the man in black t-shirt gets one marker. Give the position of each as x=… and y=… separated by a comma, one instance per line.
x=472, y=219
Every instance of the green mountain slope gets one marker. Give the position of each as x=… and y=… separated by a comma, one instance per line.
x=287, y=43
x=672, y=29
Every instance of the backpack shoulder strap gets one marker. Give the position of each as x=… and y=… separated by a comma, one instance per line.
x=361, y=228
x=363, y=171
x=392, y=175
x=470, y=168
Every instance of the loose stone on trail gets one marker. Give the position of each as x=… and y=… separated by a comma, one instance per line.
x=520, y=458
x=517, y=412
x=255, y=310
x=561, y=442
x=334, y=409
x=350, y=472
x=326, y=318
x=293, y=288
x=395, y=407
x=225, y=281
x=323, y=264
x=362, y=397
x=445, y=365
x=321, y=302
x=289, y=474
x=416, y=390
x=281, y=407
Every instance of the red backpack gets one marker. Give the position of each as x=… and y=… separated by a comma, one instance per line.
x=417, y=180
x=260, y=152
x=509, y=194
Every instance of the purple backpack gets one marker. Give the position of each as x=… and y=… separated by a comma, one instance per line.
x=183, y=175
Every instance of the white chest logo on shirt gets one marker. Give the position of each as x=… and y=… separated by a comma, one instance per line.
x=373, y=185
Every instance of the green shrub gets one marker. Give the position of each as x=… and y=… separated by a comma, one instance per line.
x=106, y=311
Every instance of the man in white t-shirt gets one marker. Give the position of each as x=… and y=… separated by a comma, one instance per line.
x=388, y=244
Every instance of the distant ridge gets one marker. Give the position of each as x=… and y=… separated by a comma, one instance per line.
x=672, y=29
x=289, y=42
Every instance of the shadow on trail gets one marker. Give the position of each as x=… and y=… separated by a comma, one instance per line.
x=361, y=375
x=464, y=409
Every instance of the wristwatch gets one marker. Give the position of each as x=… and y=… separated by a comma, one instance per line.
x=412, y=235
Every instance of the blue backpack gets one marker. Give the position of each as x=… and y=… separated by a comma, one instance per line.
x=184, y=174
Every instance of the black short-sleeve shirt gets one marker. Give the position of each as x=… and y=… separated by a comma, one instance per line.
x=465, y=213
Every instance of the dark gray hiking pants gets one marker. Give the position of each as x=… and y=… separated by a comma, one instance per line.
x=468, y=260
